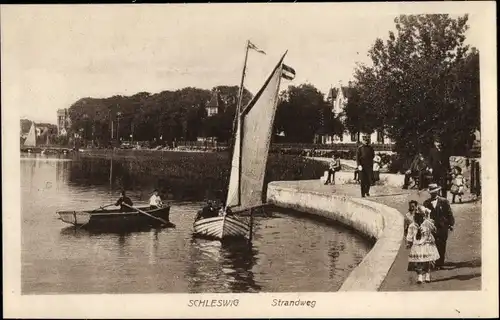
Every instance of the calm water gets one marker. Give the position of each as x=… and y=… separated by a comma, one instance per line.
x=288, y=253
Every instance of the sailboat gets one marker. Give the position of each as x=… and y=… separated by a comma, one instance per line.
x=31, y=138
x=252, y=138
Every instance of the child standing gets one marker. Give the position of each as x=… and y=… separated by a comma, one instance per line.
x=423, y=252
x=333, y=167
x=410, y=215
x=457, y=184
x=376, y=168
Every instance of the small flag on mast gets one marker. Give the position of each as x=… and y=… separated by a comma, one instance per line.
x=288, y=72
x=254, y=47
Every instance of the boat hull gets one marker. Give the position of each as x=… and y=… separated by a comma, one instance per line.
x=221, y=228
x=103, y=219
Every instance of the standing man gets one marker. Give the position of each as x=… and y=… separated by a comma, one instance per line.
x=443, y=220
x=439, y=164
x=364, y=159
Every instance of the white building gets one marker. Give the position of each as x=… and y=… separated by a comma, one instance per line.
x=215, y=105
x=338, y=98
x=63, y=121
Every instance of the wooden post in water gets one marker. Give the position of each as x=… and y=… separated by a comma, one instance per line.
x=251, y=226
x=111, y=169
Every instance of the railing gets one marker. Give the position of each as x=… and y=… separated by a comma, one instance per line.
x=201, y=144
x=329, y=147
x=286, y=147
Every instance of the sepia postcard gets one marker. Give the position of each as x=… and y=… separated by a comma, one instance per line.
x=249, y=160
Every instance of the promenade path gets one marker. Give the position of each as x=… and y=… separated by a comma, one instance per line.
x=351, y=164
x=463, y=257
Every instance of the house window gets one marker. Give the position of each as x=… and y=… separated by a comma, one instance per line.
x=380, y=137
x=354, y=137
x=211, y=111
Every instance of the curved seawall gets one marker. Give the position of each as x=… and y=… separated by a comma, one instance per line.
x=375, y=221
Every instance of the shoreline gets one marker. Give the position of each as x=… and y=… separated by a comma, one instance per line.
x=380, y=216
x=373, y=220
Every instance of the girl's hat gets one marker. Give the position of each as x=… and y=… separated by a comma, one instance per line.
x=433, y=188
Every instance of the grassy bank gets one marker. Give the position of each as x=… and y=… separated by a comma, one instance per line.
x=185, y=175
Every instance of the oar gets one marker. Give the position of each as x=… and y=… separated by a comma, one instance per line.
x=147, y=214
x=102, y=207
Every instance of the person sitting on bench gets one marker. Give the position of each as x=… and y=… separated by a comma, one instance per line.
x=418, y=169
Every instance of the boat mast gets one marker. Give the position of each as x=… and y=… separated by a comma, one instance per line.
x=239, y=122
x=241, y=89
x=237, y=118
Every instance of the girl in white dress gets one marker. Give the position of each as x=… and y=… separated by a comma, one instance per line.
x=423, y=252
x=457, y=184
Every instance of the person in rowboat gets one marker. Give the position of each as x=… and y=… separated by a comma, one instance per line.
x=155, y=201
x=208, y=211
x=225, y=211
x=124, y=200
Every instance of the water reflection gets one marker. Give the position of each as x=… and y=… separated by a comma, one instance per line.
x=224, y=267
x=287, y=254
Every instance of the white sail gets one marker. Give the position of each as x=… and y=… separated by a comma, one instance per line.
x=233, y=198
x=254, y=134
x=31, y=138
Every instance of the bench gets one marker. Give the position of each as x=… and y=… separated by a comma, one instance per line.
x=415, y=179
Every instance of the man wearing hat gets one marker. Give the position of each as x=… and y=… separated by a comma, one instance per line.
x=364, y=159
x=443, y=220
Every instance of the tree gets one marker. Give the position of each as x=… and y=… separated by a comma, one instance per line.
x=423, y=82
x=167, y=116
x=25, y=125
x=299, y=113
x=360, y=116
x=329, y=122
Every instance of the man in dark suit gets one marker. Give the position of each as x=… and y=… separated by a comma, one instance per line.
x=443, y=220
x=418, y=167
x=364, y=159
x=124, y=202
x=208, y=211
x=439, y=164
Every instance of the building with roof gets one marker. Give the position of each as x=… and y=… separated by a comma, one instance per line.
x=215, y=105
x=63, y=122
x=338, y=98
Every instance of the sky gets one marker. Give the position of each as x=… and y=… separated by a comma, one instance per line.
x=53, y=55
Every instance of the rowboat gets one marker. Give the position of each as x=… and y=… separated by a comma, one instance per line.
x=116, y=218
x=253, y=127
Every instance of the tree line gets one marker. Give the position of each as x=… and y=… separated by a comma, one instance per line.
x=163, y=116
x=182, y=115
x=423, y=82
